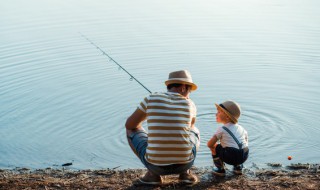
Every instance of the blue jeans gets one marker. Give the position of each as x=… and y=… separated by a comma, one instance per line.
x=139, y=140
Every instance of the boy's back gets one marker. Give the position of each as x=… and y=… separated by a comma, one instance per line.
x=226, y=139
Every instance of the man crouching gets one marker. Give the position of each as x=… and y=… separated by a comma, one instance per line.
x=172, y=141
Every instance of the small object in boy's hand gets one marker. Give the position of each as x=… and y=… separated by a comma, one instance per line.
x=289, y=157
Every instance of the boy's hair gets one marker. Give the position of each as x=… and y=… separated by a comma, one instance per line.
x=230, y=120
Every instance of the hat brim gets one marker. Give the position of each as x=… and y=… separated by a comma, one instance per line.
x=193, y=86
x=226, y=112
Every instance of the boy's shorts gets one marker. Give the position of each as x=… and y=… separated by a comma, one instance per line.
x=139, y=140
x=232, y=156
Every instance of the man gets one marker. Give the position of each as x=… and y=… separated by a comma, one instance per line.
x=171, y=144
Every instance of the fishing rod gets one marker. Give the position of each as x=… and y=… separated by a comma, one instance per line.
x=111, y=59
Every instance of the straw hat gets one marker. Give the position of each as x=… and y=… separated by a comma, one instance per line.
x=181, y=77
x=231, y=108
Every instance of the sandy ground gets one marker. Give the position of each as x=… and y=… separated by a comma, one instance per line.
x=295, y=176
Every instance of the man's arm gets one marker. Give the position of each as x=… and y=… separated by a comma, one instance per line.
x=193, y=121
x=135, y=120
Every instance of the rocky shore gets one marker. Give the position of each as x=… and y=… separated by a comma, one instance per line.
x=295, y=176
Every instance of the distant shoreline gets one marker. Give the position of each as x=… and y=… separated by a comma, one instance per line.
x=303, y=176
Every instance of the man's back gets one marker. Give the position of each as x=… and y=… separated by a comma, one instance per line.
x=169, y=117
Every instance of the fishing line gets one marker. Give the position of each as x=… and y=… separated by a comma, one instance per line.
x=114, y=61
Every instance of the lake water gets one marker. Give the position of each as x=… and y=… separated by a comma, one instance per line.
x=62, y=101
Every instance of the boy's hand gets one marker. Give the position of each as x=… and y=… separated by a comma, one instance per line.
x=212, y=143
x=213, y=149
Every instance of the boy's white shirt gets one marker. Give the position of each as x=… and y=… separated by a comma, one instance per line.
x=238, y=131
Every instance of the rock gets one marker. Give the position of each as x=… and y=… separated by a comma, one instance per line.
x=67, y=164
x=275, y=165
x=299, y=166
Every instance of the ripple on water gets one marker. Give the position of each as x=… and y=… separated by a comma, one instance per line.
x=62, y=101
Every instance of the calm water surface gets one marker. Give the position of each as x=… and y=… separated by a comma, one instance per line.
x=63, y=101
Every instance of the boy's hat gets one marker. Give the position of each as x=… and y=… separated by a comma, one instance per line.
x=181, y=77
x=231, y=108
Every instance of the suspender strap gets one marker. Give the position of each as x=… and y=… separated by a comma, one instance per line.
x=232, y=135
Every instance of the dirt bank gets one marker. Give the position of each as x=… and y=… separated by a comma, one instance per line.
x=303, y=176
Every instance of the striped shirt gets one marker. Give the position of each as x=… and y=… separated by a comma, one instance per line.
x=169, y=117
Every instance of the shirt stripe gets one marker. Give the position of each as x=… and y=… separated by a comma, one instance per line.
x=165, y=128
x=168, y=138
x=166, y=135
x=169, y=108
x=168, y=114
x=166, y=142
x=167, y=121
x=169, y=152
x=169, y=148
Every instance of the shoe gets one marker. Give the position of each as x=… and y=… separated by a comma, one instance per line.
x=237, y=169
x=219, y=172
x=188, y=177
x=151, y=179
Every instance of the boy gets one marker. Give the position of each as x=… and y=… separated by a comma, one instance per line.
x=233, y=148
